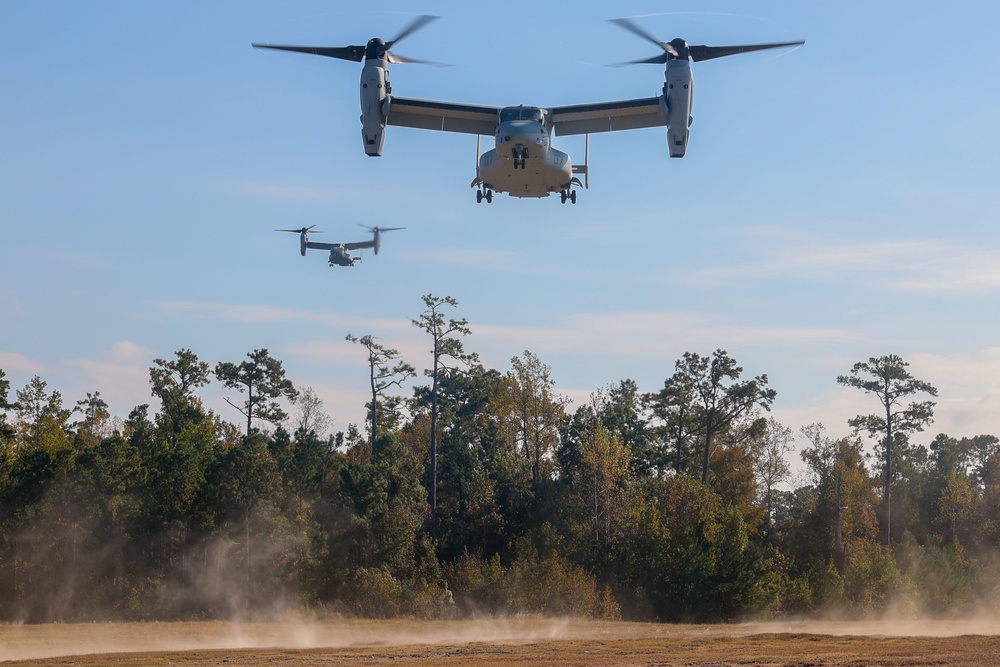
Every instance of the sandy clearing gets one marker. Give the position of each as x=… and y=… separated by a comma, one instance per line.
x=522, y=640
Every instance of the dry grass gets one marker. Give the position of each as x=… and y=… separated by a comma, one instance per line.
x=520, y=641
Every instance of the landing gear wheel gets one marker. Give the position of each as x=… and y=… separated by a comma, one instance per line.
x=489, y=196
x=562, y=197
x=479, y=196
x=572, y=196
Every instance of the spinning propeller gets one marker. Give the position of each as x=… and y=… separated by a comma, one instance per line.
x=377, y=232
x=376, y=49
x=303, y=230
x=303, y=237
x=678, y=49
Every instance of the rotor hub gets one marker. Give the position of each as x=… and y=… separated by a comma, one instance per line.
x=376, y=49
x=681, y=47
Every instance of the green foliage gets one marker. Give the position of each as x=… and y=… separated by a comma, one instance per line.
x=241, y=479
x=371, y=517
x=702, y=399
x=534, y=583
x=621, y=409
x=675, y=407
x=942, y=579
x=41, y=418
x=594, y=498
x=178, y=513
x=478, y=584
x=985, y=575
x=263, y=380
x=95, y=423
x=826, y=589
x=534, y=412
x=375, y=593
x=6, y=432
x=468, y=511
x=549, y=584
x=770, y=463
x=447, y=348
x=385, y=370
x=689, y=557
x=173, y=383
x=872, y=580
x=887, y=378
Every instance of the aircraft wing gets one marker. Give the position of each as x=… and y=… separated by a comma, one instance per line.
x=608, y=116
x=443, y=116
x=315, y=245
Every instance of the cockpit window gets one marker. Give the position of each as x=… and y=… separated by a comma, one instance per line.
x=521, y=113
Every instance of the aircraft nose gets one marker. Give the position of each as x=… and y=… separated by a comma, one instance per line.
x=519, y=132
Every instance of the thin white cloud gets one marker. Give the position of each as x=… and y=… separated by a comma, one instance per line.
x=13, y=362
x=125, y=351
x=818, y=257
x=413, y=346
x=968, y=401
x=955, y=271
x=345, y=405
x=253, y=314
x=326, y=351
x=120, y=374
x=922, y=266
x=651, y=334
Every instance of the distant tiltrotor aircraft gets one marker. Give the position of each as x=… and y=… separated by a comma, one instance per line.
x=340, y=253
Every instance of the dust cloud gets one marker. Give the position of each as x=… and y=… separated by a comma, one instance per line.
x=22, y=642
x=19, y=642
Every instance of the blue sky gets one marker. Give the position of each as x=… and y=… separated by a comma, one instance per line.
x=838, y=201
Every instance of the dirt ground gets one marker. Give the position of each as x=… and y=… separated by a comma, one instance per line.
x=516, y=641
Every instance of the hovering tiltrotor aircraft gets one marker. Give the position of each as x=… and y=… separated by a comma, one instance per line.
x=524, y=163
x=340, y=253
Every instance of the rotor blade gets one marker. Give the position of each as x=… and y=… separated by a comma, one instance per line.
x=636, y=30
x=415, y=25
x=703, y=52
x=397, y=59
x=301, y=230
x=380, y=229
x=355, y=53
x=655, y=60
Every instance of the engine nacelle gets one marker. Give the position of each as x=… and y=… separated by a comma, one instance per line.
x=374, y=88
x=678, y=90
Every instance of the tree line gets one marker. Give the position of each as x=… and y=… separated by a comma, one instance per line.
x=484, y=493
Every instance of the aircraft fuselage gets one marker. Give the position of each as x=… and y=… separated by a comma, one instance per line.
x=524, y=164
x=339, y=256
